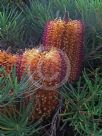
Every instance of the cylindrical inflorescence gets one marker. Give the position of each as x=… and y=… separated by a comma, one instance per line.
x=44, y=103
x=7, y=60
x=68, y=36
x=50, y=69
x=20, y=66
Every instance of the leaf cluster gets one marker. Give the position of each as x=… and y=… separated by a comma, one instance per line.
x=83, y=104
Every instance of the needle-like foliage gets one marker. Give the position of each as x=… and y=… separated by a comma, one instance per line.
x=11, y=27
x=11, y=89
x=83, y=105
x=13, y=125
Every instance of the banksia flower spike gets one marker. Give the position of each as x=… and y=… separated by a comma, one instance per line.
x=68, y=36
x=50, y=68
x=32, y=58
x=23, y=60
x=29, y=54
x=53, y=33
x=46, y=69
x=7, y=60
x=44, y=103
x=74, y=47
x=20, y=65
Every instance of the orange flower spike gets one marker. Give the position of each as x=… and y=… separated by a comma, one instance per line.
x=48, y=67
x=30, y=54
x=68, y=36
x=51, y=65
x=53, y=33
x=21, y=66
x=34, y=61
x=45, y=102
x=23, y=61
x=73, y=46
x=7, y=60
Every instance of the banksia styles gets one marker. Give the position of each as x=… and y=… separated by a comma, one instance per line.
x=29, y=54
x=50, y=69
x=23, y=60
x=32, y=58
x=44, y=103
x=74, y=47
x=20, y=66
x=53, y=33
x=68, y=36
x=7, y=60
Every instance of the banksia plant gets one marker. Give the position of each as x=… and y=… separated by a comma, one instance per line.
x=7, y=60
x=67, y=35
